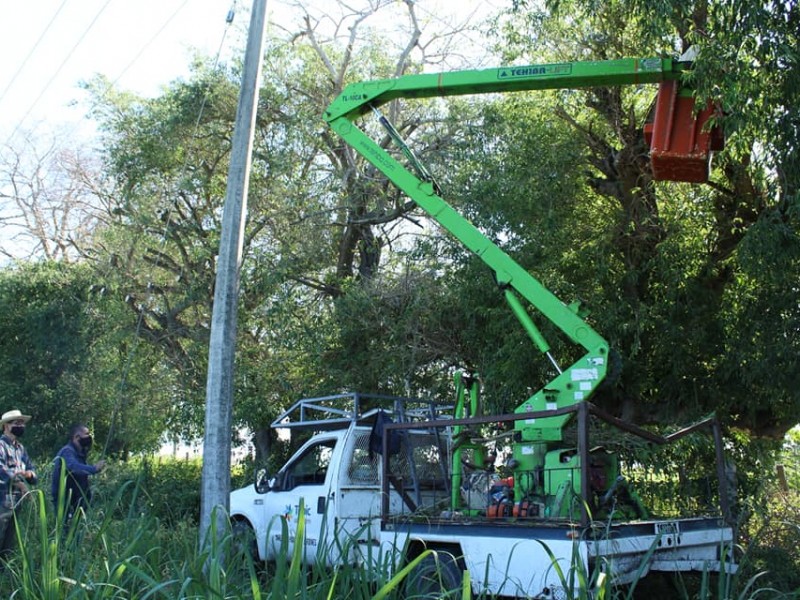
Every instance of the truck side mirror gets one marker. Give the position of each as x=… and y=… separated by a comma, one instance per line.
x=262, y=481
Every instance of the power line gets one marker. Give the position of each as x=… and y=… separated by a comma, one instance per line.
x=189, y=154
x=32, y=50
x=147, y=45
x=111, y=83
x=228, y=20
x=58, y=70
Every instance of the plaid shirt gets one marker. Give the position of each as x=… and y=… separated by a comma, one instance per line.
x=13, y=460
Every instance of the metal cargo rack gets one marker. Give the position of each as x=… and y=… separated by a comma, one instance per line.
x=583, y=412
x=327, y=413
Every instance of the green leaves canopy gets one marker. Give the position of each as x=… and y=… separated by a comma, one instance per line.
x=344, y=285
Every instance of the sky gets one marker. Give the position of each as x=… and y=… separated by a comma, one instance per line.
x=50, y=46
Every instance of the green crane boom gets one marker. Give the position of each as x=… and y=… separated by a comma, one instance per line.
x=579, y=381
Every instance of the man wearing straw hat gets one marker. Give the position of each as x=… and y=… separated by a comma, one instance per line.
x=16, y=474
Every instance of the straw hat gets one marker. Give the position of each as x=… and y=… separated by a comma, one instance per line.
x=13, y=415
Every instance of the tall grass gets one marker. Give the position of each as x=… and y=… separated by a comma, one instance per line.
x=102, y=555
x=119, y=551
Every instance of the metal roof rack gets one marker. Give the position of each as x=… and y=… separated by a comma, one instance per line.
x=341, y=410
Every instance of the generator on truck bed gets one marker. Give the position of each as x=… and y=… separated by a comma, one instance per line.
x=505, y=497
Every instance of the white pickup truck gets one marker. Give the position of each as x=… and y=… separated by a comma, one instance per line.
x=361, y=510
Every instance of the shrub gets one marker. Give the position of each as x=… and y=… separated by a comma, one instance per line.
x=166, y=489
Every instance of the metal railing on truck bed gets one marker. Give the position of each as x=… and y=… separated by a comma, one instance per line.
x=585, y=497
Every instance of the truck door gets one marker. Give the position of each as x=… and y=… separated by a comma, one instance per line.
x=309, y=476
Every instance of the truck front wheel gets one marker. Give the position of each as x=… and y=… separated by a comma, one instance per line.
x=438, y=575
x=244, y=538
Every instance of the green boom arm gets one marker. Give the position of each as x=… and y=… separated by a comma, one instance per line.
x=580, y=380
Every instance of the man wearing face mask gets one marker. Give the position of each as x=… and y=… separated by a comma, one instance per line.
x=72, y=458
x=16, y=475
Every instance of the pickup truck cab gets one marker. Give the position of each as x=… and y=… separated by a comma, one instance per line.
x=334, y=480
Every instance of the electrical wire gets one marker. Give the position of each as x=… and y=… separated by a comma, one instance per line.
x=189, y=154
x=148, y=44
x=32, y=50
x=58, y=70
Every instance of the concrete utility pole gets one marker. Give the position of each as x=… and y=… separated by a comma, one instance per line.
x=216, y=483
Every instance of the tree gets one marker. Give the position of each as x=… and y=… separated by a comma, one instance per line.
x=43, y=344
x=368, y=211
x=317, y=226
x=61, y=356
x=691, y=279
x=52, y=200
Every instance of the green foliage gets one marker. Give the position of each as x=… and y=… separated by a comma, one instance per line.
x=773, y=539
x=693, y=284
x=165, y=489
x=345, y=287
x=771, y=536
x=108, y=557
x=46, y=338
x=375, y=320
x=65, y=352
x=169, y=159
x=122, y=549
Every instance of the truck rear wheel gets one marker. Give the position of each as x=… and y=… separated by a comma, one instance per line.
x=438, y=575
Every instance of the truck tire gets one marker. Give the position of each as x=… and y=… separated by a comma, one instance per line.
x=436, y=576
x=243, y=538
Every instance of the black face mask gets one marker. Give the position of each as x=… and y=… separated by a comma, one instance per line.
x=18, y=430
x=85, y=442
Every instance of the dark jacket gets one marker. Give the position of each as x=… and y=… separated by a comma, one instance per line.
x=77, y=481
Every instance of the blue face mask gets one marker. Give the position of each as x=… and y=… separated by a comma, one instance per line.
x=18, y=430
x=85, y=442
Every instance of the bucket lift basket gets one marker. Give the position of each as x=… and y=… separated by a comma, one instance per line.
x=681, y=142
